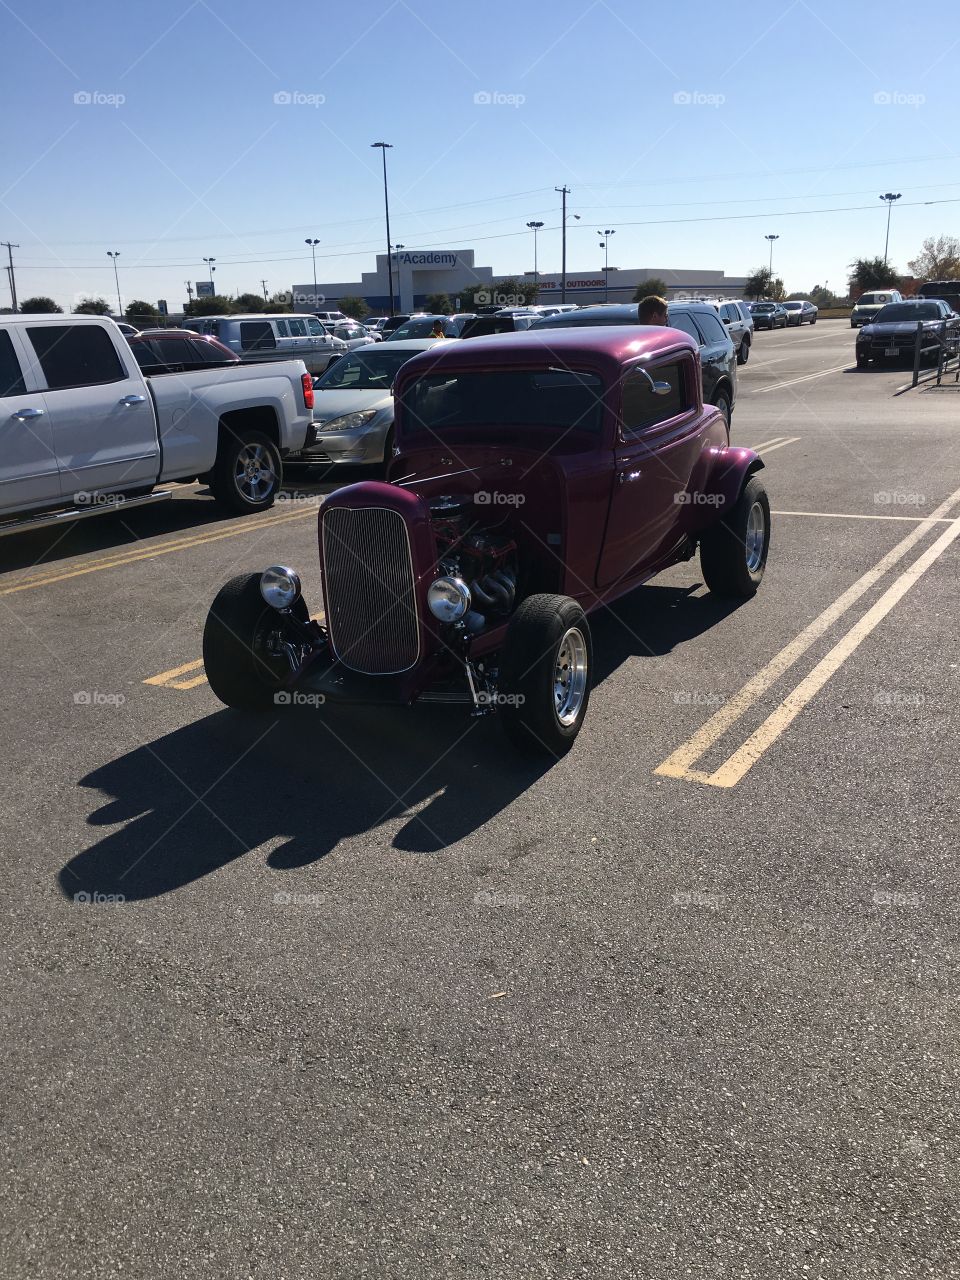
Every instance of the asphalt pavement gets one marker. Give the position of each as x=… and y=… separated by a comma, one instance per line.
x=362, y=994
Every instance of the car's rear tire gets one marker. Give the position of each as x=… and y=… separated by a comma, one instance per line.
x=743, y=355
x=247, y=474
x=239, y=668
x=722, y=402
x=733, y=552
x=545, y=674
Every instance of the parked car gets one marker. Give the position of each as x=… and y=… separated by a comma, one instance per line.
x=374, y=322
x=353, y=334
x=768, y=315
x=946, y=290
x=421, y=327
x=393, y=322
x=868, y=304
x=544, y=476
x=353, y=407
x=483, y=326
x=332, y=317
x=128, y=330
x=893, y=331
x=273, y=337
x=175, y=350
x=799, y=312
x=460, y=320
x=739, y=327
x=86, y=431
x=718, y=359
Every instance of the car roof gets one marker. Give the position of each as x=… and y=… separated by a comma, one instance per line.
x=605, y=346
x=405, y=344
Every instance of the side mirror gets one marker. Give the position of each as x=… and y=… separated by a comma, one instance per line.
x=661, y=388
x=727, y=320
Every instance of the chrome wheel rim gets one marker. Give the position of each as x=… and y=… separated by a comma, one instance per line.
x=570, y=676
x=255, y=475
x=755, y=537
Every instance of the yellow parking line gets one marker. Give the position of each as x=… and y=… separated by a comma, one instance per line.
x=746, y=756
x=680, y=763
x=168, y=678
x=186, y=684
x=163, y=549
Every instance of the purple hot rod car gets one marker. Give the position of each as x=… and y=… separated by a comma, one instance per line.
x=536, y=478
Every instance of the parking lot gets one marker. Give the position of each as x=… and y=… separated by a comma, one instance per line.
x=362, y=993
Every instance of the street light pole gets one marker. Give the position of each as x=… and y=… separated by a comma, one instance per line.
x=210, y=267
x=397, y=248
x=116, y=277
x=605, y=245
x=564, y=192
x=313, y=250
x=535, y=227
x=384, y=148
x=888, y=197
x=771, y=239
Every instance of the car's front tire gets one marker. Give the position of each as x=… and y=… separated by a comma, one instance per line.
x=247, y=474
x=239, y=667
x=733, y=552
x=545, y=677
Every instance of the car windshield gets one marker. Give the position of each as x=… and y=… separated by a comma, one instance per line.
x=421, y=327
x=364, y=370
x=559, y=399
x=898, y=311
x=762, y=306
x=793, y=306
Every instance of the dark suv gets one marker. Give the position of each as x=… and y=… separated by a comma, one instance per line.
x=718, y=358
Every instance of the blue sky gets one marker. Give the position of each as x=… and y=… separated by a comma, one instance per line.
x=670, y=123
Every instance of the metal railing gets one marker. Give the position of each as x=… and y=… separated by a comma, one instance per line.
x=946, y=347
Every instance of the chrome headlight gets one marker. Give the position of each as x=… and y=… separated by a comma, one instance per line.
x=348, y=421
x=280, y=586
x=448, y=599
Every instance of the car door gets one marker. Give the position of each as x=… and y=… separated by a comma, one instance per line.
x=29, y=475
x=104, y=430
x=658, y=444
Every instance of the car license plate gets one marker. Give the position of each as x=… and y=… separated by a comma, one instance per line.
x=891, y=351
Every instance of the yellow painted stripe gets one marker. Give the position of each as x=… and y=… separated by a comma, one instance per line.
x=685, y=756
x=746, y=756
x=163, y=549
x=187, y=684
x=166, y=676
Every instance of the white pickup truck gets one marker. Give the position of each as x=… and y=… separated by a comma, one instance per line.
x=83, y=431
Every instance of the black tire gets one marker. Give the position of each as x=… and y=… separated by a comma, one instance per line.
x=241, y=455
x=743, y=355
x=731, y=565
x=239, y=669
x=539, y=646
x=814, y=320
x=722, y=401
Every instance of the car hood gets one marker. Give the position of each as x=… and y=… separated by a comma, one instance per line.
x=895, y=327
x=334, y=404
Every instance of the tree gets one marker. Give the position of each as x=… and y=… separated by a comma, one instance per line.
x=654, y=287
x=215, y=306
x=508, y=292
x=758, y=283
x=776, y=291
x=354, y=307
x=92, y=307
x=938, y=259
x=140, y=310
x=40, y=306
x=277, y=302
x=871, y=273
x=438, y=304
x=249, y=302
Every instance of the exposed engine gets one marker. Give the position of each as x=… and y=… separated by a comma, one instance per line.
x=484, y=556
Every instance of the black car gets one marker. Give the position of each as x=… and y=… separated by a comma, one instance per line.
x=178, y=350
x=893, y=331
x=420, y=326
x=768, y=315
x=718, y=359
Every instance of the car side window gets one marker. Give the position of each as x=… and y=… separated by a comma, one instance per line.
x=297, y=328
x=257, y=335
x=316, y=328
x=681, y=320
x=282, y=329
x=11, y=375
x=76, y=355
x=713, y=330
x=642, y=408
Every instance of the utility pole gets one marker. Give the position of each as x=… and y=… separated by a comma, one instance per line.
x=564, y=192
x=13, y=284
x=384, y=148
x=189, y=284
x=264, y=284
x=605, y=245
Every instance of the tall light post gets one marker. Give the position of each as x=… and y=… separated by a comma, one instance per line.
x=605, y=245
x=535, y=227
x=771, y=239
x=888, y=198
x=114, y=255
x=564, y=191
x=313, y=250
x=396, y=249
x=210, y=267
x=384, y=148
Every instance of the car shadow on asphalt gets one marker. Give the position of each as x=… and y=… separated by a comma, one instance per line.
x=197, y=799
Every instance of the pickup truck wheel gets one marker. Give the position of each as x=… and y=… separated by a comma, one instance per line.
x=743, y=355
x=733, y=553
x=239, y=667
x=247, y=473
x=546, y=669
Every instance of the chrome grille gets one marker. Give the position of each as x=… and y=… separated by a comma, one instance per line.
x=370, y=591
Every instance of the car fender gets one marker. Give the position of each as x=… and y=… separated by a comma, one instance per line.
x=730, y=469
